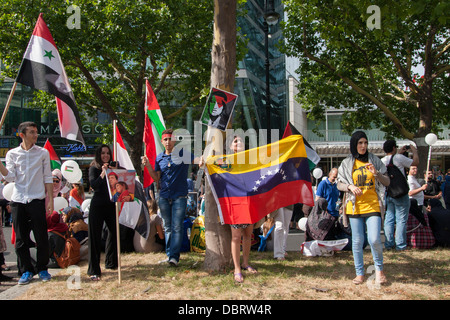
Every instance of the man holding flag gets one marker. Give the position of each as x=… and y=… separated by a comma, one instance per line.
x=172, y=177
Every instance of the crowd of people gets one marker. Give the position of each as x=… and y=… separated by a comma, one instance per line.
x=352, y=202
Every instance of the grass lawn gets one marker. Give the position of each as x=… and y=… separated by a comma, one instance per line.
x=412, y=275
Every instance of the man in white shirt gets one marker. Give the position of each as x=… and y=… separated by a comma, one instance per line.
x=28, y=166
x=397, y=209
x=415, y=189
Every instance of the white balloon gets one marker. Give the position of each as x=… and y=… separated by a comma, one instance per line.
x=69, y=169
x=85, y=205
x=75, y=176
x=8, y=191
x=317, y=173
x=431, y=139
x=59, y=203
x=302, y=223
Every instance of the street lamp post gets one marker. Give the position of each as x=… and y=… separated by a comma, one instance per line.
x=270, y=18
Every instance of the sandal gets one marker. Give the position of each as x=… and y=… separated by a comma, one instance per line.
x=238, y=278
x=380, y=279
x=358, y=280
x=249, y=269
x=95, y=277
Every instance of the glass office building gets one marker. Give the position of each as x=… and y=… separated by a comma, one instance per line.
x=250, y=84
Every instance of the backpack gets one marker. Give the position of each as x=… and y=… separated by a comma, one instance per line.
x=398, y=186
x=70, y=254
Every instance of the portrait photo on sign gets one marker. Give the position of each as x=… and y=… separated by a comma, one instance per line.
x=218, y=109
x=121, y=184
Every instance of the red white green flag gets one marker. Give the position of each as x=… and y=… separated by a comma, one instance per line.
x=55, y=161
x=154, y=126
x=42, y=69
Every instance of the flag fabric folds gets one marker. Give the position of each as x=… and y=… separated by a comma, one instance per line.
x=122, y=155
x=247, y=189
x=42, y=69
x=132, y=214
x=153, y=128
x=55, y=161
x=313, y=157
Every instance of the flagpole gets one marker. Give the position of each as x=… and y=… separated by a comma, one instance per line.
x=11, y=94
x=117, y=209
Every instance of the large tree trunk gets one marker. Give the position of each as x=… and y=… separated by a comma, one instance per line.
x=218, y=237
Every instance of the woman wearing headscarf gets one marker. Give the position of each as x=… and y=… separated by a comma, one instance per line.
x=362, y=176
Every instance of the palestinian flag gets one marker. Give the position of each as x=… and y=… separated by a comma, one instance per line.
x=313, y=157
x=42, y=69
x=154, y=126
x=55, y=161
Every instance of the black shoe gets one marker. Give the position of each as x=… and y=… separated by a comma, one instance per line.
x=5, y=278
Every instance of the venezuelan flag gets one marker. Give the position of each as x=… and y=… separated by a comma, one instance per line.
x=250, y=184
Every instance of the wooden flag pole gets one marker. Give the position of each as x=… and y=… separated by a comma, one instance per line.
x=117, y=210
x=11, y=94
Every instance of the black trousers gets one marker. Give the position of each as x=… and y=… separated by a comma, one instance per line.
x=98, y=215
x=26, y=218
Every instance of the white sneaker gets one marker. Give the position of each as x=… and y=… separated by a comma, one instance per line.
x=163, y=261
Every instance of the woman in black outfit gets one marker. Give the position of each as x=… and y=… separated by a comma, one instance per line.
x=102, y=210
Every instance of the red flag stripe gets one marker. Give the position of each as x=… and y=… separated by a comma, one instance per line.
x=249, y=210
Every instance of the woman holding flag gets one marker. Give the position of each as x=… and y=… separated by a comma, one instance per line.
x=239, y=231
x=102, y=210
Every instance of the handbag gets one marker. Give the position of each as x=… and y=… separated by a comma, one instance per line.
x=319, y=221
x=71, y=252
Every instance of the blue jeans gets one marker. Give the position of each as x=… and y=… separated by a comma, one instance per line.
x=172, y=213
x=397, y=211
x=373, y=224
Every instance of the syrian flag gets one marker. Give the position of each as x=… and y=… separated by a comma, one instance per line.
x=55, y=161
x=42, y=69
x=132, y=214
x=313, y=157
x=153, y=128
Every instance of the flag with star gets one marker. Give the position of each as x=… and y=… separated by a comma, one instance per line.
x=42, y=69
x=249, y=185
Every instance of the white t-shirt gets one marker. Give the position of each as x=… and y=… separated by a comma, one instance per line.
x=414, y=184
x=400, y=161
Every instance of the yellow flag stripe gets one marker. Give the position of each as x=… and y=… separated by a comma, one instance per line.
x=258, y=158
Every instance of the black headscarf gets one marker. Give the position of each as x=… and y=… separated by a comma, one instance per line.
x=354, y=146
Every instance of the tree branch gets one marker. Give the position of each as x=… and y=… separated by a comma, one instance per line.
x=442, y=48
x=174, y=114
x=358, y=89
x=123, y=73
x=98, y=91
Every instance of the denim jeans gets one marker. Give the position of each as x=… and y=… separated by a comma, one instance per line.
x=373, y=224
x=173, y=212
x=397, y=211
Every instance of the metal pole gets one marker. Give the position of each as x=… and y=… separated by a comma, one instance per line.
x=267, y=65
x=118, y=204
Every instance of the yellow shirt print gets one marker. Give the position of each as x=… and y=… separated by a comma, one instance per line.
x=368, y=201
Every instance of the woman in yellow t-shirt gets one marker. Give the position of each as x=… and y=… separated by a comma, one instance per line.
x=363, y=177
